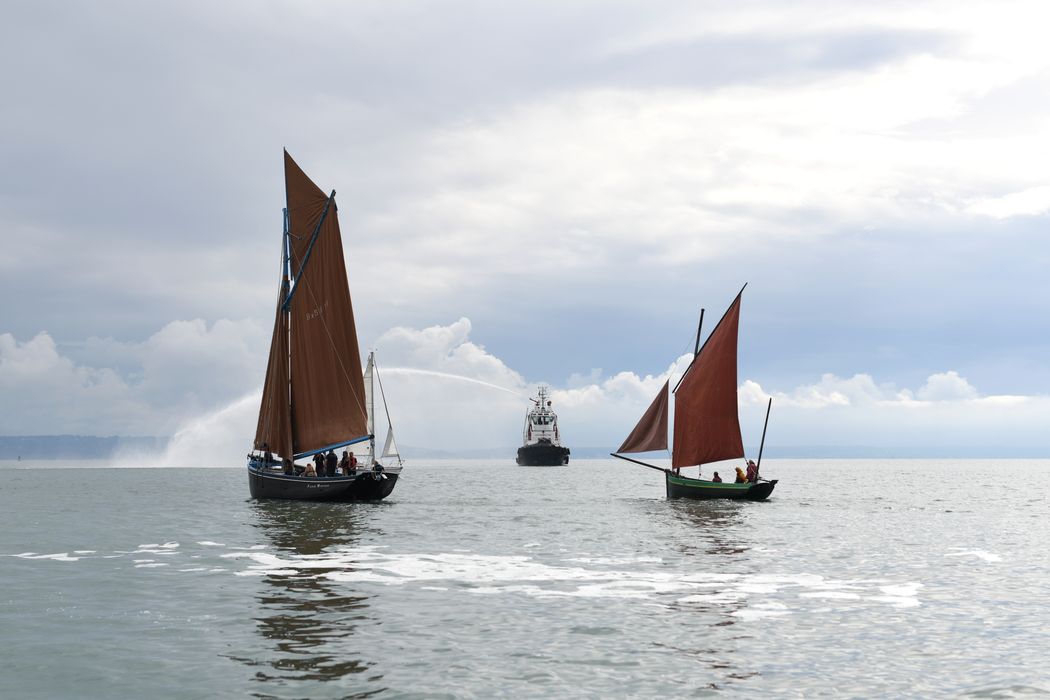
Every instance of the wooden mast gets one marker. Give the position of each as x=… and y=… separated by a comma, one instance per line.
x=762, y=445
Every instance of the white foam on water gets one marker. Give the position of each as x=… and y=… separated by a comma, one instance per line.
x=978, y=553
x=902, y=590
x=896, y=601
x=268, y=572
x=84, y=551
x=830, y=595
x=615, y=561
x=61, y=556
x=523, y=575
x=718, y=597
x=154, y=548
x=746, y=596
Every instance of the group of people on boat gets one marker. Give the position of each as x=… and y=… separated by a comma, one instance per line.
x=742, y=477
x=323, y=465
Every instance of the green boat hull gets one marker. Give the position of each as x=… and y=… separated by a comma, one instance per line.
x=698, y=489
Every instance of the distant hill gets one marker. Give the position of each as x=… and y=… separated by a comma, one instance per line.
x=75, y=446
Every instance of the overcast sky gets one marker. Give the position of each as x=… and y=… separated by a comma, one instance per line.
x=534, y=193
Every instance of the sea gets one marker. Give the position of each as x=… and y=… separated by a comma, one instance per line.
x=482, y=579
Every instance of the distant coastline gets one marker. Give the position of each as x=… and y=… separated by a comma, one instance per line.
x=76, y=446
x=50, y=447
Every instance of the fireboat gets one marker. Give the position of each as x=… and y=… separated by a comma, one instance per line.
x=542, y=442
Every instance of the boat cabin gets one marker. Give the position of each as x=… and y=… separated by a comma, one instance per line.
x=541, y=424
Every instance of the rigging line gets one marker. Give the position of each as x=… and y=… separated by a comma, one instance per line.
x=331, y=340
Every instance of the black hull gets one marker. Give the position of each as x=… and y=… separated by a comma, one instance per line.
x=362, y=487
x=543, y=455
x=698, y=489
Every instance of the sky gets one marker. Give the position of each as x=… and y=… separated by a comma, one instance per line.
x=534, y=193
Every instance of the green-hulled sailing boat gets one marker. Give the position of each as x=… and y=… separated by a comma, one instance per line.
x=706, y=420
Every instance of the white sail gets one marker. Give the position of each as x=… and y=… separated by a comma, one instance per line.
x=390, y=448
x=370, y=405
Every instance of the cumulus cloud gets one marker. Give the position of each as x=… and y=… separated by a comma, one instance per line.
x=945, y=413
x=446, y=349
x=946, y=386
x=1028, y=202
x=199, y=384
x=118, y=388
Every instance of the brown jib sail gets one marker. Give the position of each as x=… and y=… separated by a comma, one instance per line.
x=706, y=423
x=313, y=396
x=651, y=432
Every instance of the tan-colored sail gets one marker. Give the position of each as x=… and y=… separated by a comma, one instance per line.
x=274, y=432
x=651, y=432
x=706, y=423
x=328, y=394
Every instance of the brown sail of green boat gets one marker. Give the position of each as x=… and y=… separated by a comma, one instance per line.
x=706, y=419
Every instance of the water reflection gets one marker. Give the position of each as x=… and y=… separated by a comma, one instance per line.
x=308, y=621
x=716, y=526
x=715, y=531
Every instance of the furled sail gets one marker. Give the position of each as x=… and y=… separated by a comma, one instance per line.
x=327, y=387
x=274, y=431
x=706, y=423
x=651, y=432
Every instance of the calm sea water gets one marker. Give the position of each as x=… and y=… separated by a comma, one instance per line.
x=483, y=580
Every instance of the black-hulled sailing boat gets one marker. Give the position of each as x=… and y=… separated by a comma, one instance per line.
x=706, y=421
x=314, y=399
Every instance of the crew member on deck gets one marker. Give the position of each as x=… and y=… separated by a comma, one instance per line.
x=286, y=464
x=717, y=479
x=741, y=478
x=318, y=464
x=267, y=456
x=752, y=471
x=309, y=471
x=329, y=463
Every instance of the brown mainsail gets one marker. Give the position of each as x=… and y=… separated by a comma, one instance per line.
x=706, y=423
x=651, y=432
x=323, y=389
